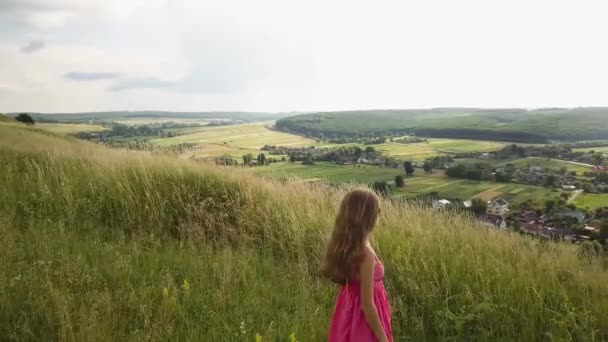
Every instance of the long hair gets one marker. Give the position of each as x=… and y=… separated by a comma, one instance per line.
x=356, y=218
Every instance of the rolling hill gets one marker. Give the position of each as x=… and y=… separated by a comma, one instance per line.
x=101, y=244
x=118, y=115
x=517, y=125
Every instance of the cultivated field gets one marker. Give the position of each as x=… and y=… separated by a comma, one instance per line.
x=157, y=120
x=603, y=149
x=331, y=172
x=417, y=185
x=235, y=140
x=434, y=147
x=591, y=201
x=69, y=128
x=553, y=164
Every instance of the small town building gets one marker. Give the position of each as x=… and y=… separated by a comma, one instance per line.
x=498, y=207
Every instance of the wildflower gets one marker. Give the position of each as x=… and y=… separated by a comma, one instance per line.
x=258, y=338
x=165, y=292
x=292, y=337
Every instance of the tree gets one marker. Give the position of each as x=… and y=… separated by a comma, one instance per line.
x=428, y=168
x=399, y=181
x=247, y=158
x=292, y=158
x=370, y=149
x=261, y=159
x=25, y=118
x=604, y=233
x=474, y=175
x=409, y=168
x=478, y=206
x=564, y=195
x=550, y=180
x=549, y=205
x=381, y=187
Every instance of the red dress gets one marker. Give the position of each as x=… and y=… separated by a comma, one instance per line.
x=348, y=323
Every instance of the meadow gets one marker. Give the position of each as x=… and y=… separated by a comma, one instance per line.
x=434, y=147
x=69, y=128
x=553, y=164
x=234, y=140
x=100, y=244
x=591, y=201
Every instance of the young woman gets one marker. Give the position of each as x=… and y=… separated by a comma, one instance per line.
x=362, y=311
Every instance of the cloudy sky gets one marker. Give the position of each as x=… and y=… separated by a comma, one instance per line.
x=197, y=55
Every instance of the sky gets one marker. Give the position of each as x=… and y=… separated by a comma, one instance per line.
x=281, y=55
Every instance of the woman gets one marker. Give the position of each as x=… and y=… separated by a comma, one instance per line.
x=362, y=311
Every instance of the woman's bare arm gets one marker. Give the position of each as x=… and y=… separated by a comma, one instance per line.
x=367, y=296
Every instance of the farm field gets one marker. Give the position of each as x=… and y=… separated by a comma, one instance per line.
x=159, y=120
x=69, y=128
x=434, y=147
x=603, y=149
x=235, y=140
x=417, y=185
x=591, y=201
x=549, y=164
x=364, y=174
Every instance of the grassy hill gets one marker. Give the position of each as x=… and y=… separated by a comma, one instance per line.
x=101, y=244
x=4, y=118
x=536, y=126
x=122, y=115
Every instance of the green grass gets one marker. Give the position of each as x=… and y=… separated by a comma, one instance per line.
x=588, y=149
x=591, y=201
x=67, y=128
x=4, y=118
x=331, y=172
x=110, y=245
x=552, y=164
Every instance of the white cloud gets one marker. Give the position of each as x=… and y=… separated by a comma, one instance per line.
x=280, y=55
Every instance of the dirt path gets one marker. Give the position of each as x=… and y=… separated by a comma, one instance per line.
x=575, y=195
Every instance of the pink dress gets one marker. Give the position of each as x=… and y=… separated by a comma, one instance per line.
x=348, y=323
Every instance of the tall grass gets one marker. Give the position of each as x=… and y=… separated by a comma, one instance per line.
x=103, y=245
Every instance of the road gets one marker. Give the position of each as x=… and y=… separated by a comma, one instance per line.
x=574, y=196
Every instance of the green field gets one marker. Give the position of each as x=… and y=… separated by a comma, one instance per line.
x=159, y=120
x=591, y=201
x=419, y=184
x=434, y=147
x=234, y=140
x=67, y=128
x=331, y=172
x=603, y=149
x=553, y=164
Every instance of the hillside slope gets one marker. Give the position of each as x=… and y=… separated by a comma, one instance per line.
x=491, y=124
x=121, y=115
x=107, y=245
x=4, y=118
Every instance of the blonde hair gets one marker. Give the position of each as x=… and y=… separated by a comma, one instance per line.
x=357, y=216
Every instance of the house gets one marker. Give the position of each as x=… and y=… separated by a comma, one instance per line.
x=493, y=221
x=580, y=217
x=536, y=169
x=602, y=168
x=527, y=216
x=498, y=207
x=467, y=204
x=538, y=230
x=568, y=187
x=486, y=156
x=441, y=204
